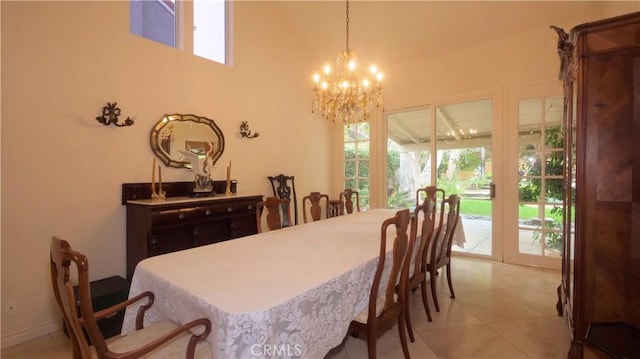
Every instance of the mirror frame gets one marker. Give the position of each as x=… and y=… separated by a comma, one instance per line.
x=166, y=119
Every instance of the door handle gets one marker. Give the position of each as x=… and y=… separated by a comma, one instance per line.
x=492, y=190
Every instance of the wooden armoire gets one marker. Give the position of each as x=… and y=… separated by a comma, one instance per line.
x=600, y=67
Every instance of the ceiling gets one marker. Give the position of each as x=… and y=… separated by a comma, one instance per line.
x=400, y=30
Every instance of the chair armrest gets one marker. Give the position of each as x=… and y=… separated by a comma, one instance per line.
x=104, y=313
x=191, y=347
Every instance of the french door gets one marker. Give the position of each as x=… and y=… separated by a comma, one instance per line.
x=512, y=215
x=449, y=145
x=533, y=216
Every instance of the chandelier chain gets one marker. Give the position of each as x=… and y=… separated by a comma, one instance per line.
x=347, y=12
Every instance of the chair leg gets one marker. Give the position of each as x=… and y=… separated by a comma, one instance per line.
x=453, y=295
x=74, y=345
x=425, y=300
x=432, y=279
x=407, y=317
x=371, y=342
x=403, y=336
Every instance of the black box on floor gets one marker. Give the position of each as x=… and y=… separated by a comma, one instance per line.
x=105, y=293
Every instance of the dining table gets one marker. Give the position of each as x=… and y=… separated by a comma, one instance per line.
x=291, y=292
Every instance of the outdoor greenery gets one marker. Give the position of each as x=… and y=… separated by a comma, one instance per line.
x=469, y=172
x=531, y=188
x=482, y=207
x=469, y=160
x=396, y=198
x=553, y=235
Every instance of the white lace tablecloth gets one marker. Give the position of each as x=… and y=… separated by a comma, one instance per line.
x=280, y=294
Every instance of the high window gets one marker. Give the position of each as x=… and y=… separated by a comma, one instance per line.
x=157, y=20
x=209, y=25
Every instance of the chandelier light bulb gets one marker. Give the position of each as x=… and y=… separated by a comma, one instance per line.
x=327, y=69
x=352, y=65
x=365, y=83
x=324, y=85
x=379, y=76
x=373, y=69
x=316, y=78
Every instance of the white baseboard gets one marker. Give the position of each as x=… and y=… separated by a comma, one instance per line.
x=30, y=333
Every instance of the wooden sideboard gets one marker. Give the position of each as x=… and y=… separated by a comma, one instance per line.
x=600, y=67
x=180, y=222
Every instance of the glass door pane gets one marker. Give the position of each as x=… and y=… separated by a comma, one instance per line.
x=464, y=167
x=540, y=169
x=408, y=156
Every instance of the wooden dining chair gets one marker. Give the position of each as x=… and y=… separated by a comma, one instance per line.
x=284, y=187
x=347, y=201
x=316, y=207
x=161, y=339
x=383, y=312
x=420, y=236
x=278, y=213
x=440, y=251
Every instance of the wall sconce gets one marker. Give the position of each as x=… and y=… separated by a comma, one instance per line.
x=245, y=132
x=110, y=114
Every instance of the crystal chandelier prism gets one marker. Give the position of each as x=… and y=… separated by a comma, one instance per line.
x=340, y=93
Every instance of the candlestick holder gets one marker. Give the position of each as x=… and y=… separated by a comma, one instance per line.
x=159, y=195
x=228, y=189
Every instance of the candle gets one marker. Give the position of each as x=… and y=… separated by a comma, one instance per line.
x=160, y=180
x=153, y=178
x=153, y=172
x=228, y=191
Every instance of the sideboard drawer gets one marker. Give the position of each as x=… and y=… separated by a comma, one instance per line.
x=216, y=210
x=181, y=216
x=173, y=216
x=246, y=207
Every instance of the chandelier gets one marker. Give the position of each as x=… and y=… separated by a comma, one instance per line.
x=340, y=94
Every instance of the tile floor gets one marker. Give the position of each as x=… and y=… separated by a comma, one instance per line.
x=501, y=311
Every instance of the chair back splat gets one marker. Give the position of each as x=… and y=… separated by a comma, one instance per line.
x=278, y=210
x=437, y=195
x=315, y=200
x=349, y=201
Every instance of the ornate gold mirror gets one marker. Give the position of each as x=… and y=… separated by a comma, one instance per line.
x=177, y=133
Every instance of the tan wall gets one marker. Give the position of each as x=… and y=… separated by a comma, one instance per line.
x=62, y=170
